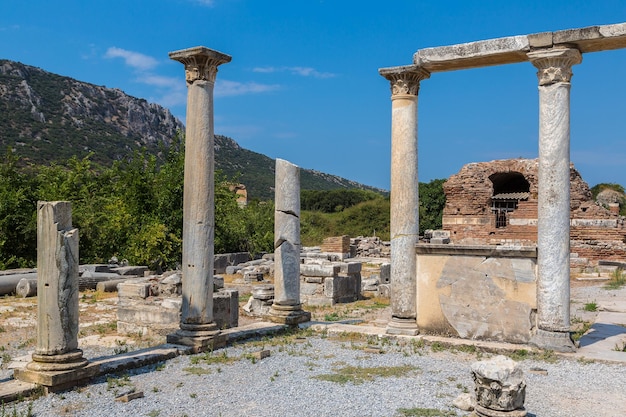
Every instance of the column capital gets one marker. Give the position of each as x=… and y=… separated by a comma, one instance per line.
x=405, y=79
x=200, y=63
x=554, y=64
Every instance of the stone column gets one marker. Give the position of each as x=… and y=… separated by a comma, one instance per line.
x=553, y=229
x=405, y=83
x=197, y=327
x=57, y=295
x=286, y=307
x=57, y=363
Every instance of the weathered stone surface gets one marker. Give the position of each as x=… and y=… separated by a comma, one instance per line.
x=349, y=268
x=499, y=386
x=57, y=266
x=319, y=270
x=27, y=287
x=595, y=232
x=223, y=261
x=198, y=197
x=464, y=402
x=134, y=289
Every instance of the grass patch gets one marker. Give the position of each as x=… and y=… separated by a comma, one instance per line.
x=359, y=375
x=618, y=280
x=582, y=327
x=424, y=412
x=437, y=347
x=196, y=370
x=593, y=306
x=14, y=412
x=619, y=348
x=331, y=317
x=211, y=358
x=523, y=354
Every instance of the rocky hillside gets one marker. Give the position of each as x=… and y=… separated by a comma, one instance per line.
x=256, y=171
x=47, y=117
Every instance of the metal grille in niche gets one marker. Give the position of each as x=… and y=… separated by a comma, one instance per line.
x=501, y=208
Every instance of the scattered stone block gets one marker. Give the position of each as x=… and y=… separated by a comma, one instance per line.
x=317, y=270
x=385, y=273
x=124, y=398
x=499, y=387
x=133, y=290
x=261, y=354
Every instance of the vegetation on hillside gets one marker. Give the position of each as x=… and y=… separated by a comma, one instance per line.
x=362, y=213
x=132, y=210
x=619, y=196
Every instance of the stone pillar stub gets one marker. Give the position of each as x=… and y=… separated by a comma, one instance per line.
x=197, y=327
x=57, y=363
x=553, y=218
x=405, y=82
x=286, y=307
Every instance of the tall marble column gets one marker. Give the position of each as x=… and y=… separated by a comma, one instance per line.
x=197, y=327
x=553, y=229
x=286, y=307
x=405, y=83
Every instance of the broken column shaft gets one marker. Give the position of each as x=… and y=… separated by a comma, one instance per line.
x=286, y=307
x=197, y=327
x=553, y=216
x=57, y=362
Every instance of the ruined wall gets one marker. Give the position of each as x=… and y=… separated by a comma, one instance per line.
x=596, y=232
x=477, y=292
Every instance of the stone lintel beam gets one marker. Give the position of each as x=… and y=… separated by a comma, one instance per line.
x=513, y=49
x=509, y=50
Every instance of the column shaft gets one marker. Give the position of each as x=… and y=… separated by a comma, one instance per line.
x=57, y=279
x=404, y=197
x=553, y=216
x=198, y=206
x=286, y=307
x=197, y=327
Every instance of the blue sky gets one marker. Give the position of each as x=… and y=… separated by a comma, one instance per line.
x=303, y=84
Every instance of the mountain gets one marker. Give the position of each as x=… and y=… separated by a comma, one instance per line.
x=48, y=117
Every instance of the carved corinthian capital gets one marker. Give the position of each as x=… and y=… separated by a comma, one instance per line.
x=200, y=63
x=405, y=80
x=554, y=65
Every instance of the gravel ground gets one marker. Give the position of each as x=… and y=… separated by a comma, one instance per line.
x=228, y=382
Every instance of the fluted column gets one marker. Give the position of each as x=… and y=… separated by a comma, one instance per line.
x=404, y=226
x=553, y=229
x=286, y=307
x=197, y=327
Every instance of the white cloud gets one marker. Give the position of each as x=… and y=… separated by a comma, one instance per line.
x=10, y=27
x=207, y=3
x=225, y=88
x=302, y=71
x=135, y=60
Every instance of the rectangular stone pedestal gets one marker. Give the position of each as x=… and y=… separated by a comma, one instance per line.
x=198, y=344
x=58, y=380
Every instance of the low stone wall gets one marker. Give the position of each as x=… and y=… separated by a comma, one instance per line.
x=153, y=305
x=477, y=292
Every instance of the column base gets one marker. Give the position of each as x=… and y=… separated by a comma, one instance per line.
x=58, y=372
x=550, y=340
x=480, y=411
x=289, y=314
x=199, y=337
x=61, y=362
x=402, y=326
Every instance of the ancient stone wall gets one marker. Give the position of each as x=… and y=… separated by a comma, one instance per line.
x=596, y=232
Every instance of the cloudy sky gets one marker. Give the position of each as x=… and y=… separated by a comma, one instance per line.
x=303, y=84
